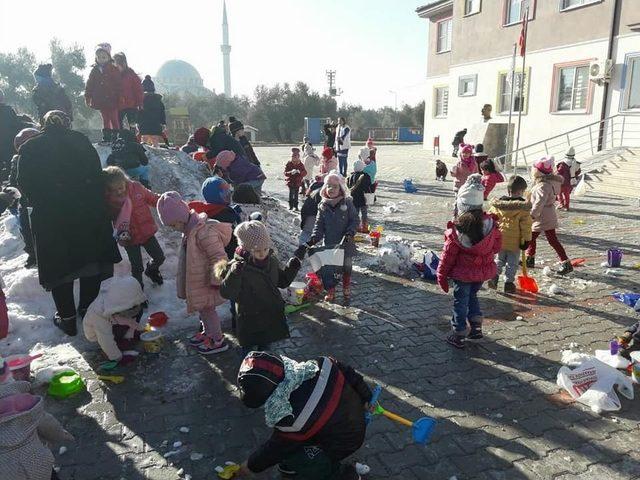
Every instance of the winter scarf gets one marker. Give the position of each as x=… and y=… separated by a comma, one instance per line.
x=278, y=406
x=123, y=220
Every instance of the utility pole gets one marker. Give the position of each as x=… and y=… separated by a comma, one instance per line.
x=395, y=106
x=331, y=78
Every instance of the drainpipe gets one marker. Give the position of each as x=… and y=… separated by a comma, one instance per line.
x=615, y=16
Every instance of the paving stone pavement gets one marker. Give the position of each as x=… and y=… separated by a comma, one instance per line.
x=497, y=404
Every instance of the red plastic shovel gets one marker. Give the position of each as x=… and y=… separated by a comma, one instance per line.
x=525, y=282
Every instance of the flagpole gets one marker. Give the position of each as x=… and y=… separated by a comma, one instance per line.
x=509, y=139
x=522, y=84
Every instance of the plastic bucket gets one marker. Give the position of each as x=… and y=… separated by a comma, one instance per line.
x=158, y=319
x=65, y=384
x=614, y=257
x=152, y=341
x=20, y=366
x=295, y=293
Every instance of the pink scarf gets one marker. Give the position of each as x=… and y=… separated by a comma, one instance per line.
x=122, y=222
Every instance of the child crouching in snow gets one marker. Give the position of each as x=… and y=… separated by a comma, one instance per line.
x=25, y=430
x=471, y=243
x=128, y=203
x=117, y=307
x=203, y=243
x=252, y=280
x=316, y=409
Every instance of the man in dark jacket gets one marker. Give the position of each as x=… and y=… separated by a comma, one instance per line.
x=220, y=140
x=316, y=409
x=458, y=139
x=236, y=128
x=10, y=125
x=60, y=173
x=48, y=95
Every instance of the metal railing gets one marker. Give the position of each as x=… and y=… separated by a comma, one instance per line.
x=621, y=130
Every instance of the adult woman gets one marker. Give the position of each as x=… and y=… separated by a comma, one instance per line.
x=152, y=117
x=59, y=172
x=329, y=134
x=131, y=95
x=343, y=144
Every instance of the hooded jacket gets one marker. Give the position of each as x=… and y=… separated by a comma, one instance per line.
x=470, y=263
x=48, y=95
x=152, y=116
x=514, y=219
x=220, y=140
x=127, y=153
x=142, y=225
x=221, y=213
x=461, y=171
x=131, y=95
x=543, y=198
x=119, y=294
x=569, y=170
x=104, y=87
x=359, y=183
x=333, y=223
x=294, y=180
x=310, y=160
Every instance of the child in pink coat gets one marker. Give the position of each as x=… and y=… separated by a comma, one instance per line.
x=129, y=203
x=471, y=243
x=546, y=187
x=490, y=177
x=329, y=161
x=203, y=243
x=466, y=166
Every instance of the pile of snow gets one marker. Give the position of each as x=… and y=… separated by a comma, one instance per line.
x=396, y=255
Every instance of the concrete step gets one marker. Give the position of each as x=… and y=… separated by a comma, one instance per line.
x=616, y=190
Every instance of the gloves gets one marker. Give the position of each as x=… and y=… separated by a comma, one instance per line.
x=301, y=251
x=444, y=284
x=524, y=245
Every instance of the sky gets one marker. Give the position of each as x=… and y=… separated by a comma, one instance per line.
x=376, y=46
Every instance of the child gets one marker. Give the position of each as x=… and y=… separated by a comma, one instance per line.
x=569, y=170
x=131, y=96
x=546, y=187
x=336, y=223
x=329, y=161
x=294, y=173
x=130, y=156
x=309, y=210
x=128, y=203
x=514, y=215
x=203, y=243
x=479, y=155
x=151, y=118
x=311, y=161
x=191, y=146
x=236, y=129
x=118, y=305
x=464, y=167
x=490, y=177
x=252, y=280
x=468, y=259
x=25, y=429
x=359, y=184
x=371, y=164
x=316, y=409
x=103, y=90
x=241, y=171
x=441, y=171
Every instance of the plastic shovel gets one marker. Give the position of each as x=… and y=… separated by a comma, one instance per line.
x=24, y=360
x=525, y=282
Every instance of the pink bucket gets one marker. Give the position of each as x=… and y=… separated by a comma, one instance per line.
x=20, y=366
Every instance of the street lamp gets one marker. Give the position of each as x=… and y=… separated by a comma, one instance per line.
x=395, y=107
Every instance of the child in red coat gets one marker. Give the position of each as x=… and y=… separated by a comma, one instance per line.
x=471, y=242
x=131, y=95
x=103, y=91
x=490, y=177
x=569, y=170
x=294, y=173
x=128, y=203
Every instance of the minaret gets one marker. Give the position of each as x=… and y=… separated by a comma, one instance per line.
x=226, y=50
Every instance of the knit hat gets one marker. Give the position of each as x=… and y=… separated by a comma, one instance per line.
x=295, y=152
x=24, y=135
x=571, y=152
x=216, y=191
x=364, y=153
x=471, y=194
x=201, y=136
x=358, y=166
x=43, y=70
x=105, y=47
x=464, y=148
x=259, y=375
x=235, y=125
x=327, y=152
x=148, y=85
x=172, y=208
x=56, y=118
x=545, y=165
x=339, y=179
x=370, y=142
x=253, y=235
x=225, y=158
x=479, y=148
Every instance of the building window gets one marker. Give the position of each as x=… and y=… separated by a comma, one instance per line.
x=514, y=10
x=472, y=6
x=467, y=85
x=519, y=100
x=444, y=35
x=632, y=84
x=572, y=88
x=441, y=102
x=569, y=4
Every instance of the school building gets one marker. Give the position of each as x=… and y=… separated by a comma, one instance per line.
x=582, y=65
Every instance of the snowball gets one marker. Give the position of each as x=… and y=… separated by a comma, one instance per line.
x=184, y=429
x=62, y=450
x=546, y=271
x=555, y=290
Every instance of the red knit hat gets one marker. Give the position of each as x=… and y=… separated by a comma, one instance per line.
x=327, y=152
x=201, y=136
x=545, y=165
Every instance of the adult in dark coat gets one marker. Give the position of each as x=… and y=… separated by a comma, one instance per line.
x=329, y=135
x=48, y=95
x=220, y=140
x=152, y=118
x=60, y=173
x=236, y=128
x=10, y=125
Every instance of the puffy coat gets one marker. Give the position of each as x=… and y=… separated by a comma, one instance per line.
x=23, y=425
x=489, y=181
x=359, y=183
x=310, y=160
x=241, y=170
x=569, y=173
x=221, y=213
x=461, y=171
x=343, y=139
x=127, y=153
x=48, y=95
x=103, y=88
x=514, y=219
x=142, y=225
x=119, y=294
x=333, y=223
x=543, y=198
x=132, y=95
x=328, y=165
x=204, y=248
x=261, y=319
x=310, y=206
x=220, y=140
x=294, y=179
x=152, y=116
x=59, y=172
x=470, y=263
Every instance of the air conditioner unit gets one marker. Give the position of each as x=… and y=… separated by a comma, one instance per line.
x=600, y=71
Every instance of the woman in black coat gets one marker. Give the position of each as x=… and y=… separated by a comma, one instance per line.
x=152, y=118
x=59, y=172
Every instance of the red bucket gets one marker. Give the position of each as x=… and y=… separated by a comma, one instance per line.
x=158, y=319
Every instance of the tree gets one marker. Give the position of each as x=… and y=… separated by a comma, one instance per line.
x=16, y=79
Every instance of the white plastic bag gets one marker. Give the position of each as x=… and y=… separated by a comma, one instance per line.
x=615, y=361
x=326, y=257
x=369, y=198
x=592, y=382
x=581, y=188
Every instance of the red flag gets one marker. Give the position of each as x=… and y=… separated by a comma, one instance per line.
x=522, y=41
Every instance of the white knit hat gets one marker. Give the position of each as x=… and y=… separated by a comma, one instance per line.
x=471, y=194
x=358, y=166
x=253, y=235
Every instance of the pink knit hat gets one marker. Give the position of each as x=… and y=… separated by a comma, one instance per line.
x=172, y=209
x=225, y=158
x=339, y=179
x=466, y=149
x=545, y=165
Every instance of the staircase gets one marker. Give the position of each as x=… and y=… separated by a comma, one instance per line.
x=618, y=173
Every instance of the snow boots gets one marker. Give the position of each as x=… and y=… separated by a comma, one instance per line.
x=67, y=325
x=565, y=268
x=153, y=272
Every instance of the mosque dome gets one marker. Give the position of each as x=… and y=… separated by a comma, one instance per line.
x=178, y=76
